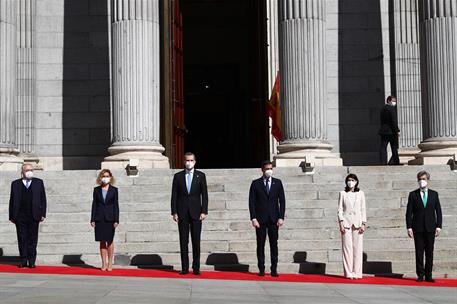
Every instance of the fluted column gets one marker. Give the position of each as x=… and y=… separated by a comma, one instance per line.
x=135, y=84
x=26, y=78
x=8, y=151
x=407, y=77
x=302, y=62
x=438, y=41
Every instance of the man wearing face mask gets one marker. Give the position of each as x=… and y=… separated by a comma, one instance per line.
x=27, y=208
x=189, y=207
x=267, y=207
x=424, y=223
x=389, y=132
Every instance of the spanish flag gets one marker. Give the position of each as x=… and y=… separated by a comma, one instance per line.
x=274, y=110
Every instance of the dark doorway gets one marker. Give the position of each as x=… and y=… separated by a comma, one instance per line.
x=225, y=82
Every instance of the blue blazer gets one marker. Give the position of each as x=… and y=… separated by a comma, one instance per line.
x=108, y=209
x=38, y=199
x=265, y=206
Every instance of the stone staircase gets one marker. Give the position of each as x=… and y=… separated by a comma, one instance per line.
x=309, y=241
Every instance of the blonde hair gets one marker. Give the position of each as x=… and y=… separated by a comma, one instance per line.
x=100, y=176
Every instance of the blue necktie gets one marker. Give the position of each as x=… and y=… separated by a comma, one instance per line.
x=189, y=182
x=267, y=185
x=27, y=184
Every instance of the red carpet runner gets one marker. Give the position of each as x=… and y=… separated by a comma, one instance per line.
x=216, y=275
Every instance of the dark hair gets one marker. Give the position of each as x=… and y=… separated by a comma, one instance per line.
x=190, y=154
x=266, y=162
x=353, y=176
x=422, y=173
x=390, y=98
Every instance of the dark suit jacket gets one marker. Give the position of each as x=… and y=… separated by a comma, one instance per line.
x=389, y=121
x=193, y=203
x=265, y=206
x=422, y=219
x=38, y=199
x=107, y=210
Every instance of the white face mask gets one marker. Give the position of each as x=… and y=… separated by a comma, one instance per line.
x=423, y=183
x=268, y=173
x=190, y=164
x=105, y=180
x=394, y=104
x=351, y=184
x=28, y=174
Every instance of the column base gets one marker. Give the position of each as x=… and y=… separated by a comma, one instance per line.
x=407, y=154
x=435, y=153
x=317, y=153
x=9, y=160
x=149, y=157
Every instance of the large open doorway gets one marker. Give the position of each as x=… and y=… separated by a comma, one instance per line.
x=224, y=82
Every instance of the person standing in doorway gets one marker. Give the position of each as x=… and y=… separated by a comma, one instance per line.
x=189, y=208
x=389, y=132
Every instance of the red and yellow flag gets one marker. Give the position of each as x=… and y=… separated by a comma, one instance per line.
x=274, y=110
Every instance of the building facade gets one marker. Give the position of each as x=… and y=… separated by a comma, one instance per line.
x=90, y=83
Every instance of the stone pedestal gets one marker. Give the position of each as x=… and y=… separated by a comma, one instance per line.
x=8, y=151
x=302, y=30
x=438, y=32
x=135, y=85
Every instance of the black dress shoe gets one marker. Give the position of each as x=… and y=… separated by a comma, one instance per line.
x=183, y=272
x=32, y=265
x=21, y=265
x=420, y=279
x=430, y=280
x=274, y=274
x=261, y=273
x=196, y=272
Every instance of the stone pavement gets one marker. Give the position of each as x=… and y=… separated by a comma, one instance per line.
x=50, y=289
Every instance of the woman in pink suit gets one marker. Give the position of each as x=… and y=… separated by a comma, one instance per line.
x=352, y=218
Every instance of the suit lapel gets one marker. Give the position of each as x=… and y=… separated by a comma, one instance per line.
x=262, y=184
x=194, y=181
x=419, y=198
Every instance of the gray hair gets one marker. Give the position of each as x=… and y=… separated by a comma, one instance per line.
x=422, y=173
x=25, y=165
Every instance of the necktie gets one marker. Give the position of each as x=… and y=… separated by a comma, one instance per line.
x=267, y=185
x=424, y=198
x=189, y=182
x=27, y=184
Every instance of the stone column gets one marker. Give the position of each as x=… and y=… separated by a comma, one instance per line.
x=302, y=63
x=273, y=59
x=135, y=85
x=26, y=79
x=438, y=44
x=407, y=77
x=8, y=151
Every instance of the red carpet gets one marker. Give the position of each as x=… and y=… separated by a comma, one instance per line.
x=216, y=275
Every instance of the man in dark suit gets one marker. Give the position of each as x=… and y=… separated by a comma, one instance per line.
x=267, y=206
x=389, y=132
x=424, y=223
x=27, y=208
x=189, y=207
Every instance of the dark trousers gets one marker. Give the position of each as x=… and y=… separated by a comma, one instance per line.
x=185, y=225
x=393, y=141
x=27, y=239
x=424, y=242
x=261, y=233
